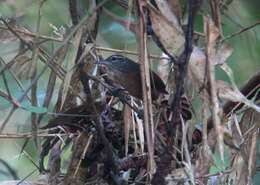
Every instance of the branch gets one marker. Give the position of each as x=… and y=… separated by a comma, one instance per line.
x=241, y=31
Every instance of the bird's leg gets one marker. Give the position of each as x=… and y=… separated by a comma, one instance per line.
x=140, y=113
x=117, y=91
x=111, y=101
x=125, y=98
x=105, y=115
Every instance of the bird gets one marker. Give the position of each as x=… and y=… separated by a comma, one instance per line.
x=124, y=73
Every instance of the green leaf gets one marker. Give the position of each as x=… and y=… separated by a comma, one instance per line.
x=34, y=109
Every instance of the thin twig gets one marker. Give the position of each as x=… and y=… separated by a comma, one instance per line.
x=7, y=118
x=27, y=135
x=31, y=34
x=10, y=99
x=213, y=92
x=6, y=85
x=44, y=55
x=13, y=31
x=83, y=154
x=15, y=78
x=146, y=89
x=240, y=31
x=66, y=40
x=27, y=176
x=33, y=72
x=128, y=52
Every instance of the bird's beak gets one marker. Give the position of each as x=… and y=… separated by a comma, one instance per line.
x=101, y=62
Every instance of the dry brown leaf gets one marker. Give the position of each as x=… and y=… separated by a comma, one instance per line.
x=163, y=67
x=229, y=140
x=238, y=173
x=168, y=31
x=197, y=67
x=127, y=124
x=244, y=162
x=176, y=8
x=205, y=157
x=236, y=131
x=218, y=54
x=221, y=54
x=166, y=11
x=227, y=92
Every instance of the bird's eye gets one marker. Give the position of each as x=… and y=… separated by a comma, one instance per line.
x=115, y=57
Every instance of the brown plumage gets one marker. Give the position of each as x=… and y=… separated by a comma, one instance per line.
x=124, y=73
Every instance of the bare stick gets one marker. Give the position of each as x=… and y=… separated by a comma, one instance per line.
x=240, y=31
x=27, y=135
x=31, y=34
x=146, y=88
x=127, y=52
x=213, y=94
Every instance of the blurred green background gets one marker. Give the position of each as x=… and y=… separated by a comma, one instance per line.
x=244, y=61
